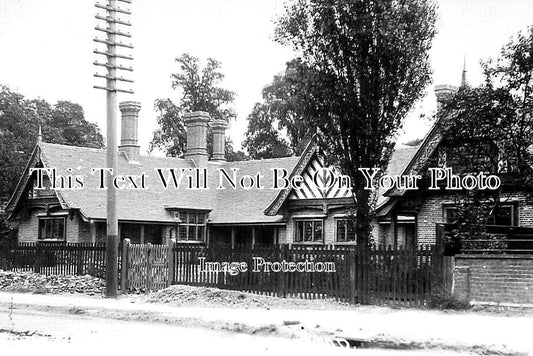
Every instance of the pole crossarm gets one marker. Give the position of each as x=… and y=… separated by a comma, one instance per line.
x=113, y=54
x=109, y=19
x=114, y=32
x=118, y=44
x=113, y=78
x=114, y=90
x=112, y=9
x=110, y=66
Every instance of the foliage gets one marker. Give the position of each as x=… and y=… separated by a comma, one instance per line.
x=282, y=110
x=62, y=123
x=262, y=138
x=363, y=64
x=490, y=129
x=200, y=91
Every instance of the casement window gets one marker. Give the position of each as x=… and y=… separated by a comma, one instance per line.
x=504, y=215
x=191, y=227
x=52, y=228
x=309, y=231
x=345, y=230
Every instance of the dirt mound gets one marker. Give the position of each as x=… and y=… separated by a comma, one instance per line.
x=38, y=283
x=182, y=295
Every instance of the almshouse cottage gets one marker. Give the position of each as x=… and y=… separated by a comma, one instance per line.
x=221, y=213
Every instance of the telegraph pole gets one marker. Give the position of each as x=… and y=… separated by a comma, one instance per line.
x=112, y=32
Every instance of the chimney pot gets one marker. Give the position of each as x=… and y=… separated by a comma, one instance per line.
x=129, y=130
x=443, y=92
x=196, y=125
x=219, y=140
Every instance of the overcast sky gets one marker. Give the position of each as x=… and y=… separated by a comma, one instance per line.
x=46, y=49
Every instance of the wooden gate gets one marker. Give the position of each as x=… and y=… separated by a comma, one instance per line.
x=145, y=267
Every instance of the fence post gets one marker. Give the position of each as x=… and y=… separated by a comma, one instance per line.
x=148, y=267
x=281, y=275
x=124, y=261
x=38, y=259
x=438, y=259
x=170, y=261
x=79, y=260
x=352, y=255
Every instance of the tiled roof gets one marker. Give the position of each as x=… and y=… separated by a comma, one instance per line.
x=400, y=158
x=226, y=206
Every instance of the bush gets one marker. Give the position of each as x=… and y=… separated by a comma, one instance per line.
x=444, y=299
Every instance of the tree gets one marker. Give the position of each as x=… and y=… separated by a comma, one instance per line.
x=364, y=65
x=200, y=91
x=263, y=140
x=491, y=130
x=281, y=110
x=62, y=123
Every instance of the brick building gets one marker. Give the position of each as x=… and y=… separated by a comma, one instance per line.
x=310, y=214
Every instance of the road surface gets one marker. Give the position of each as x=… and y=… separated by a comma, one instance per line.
x=24, y=331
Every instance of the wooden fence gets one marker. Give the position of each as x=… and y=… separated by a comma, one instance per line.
x=54, y=258
x=369, y=275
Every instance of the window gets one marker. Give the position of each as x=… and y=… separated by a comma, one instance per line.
x=192, y=226
x=52, y=228
x=345, y=230
x=308, y=231
x=503, y=215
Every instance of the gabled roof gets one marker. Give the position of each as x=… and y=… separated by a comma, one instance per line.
x=156, y=203
x=401, y=156
x=420, y=157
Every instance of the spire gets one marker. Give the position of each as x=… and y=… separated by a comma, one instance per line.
x=464, y=82
x=39, y=135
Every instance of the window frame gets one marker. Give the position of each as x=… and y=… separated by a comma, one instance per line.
x=313, y=221
x=346, y=220
x=186, y=225
x=514, y=213
x=51, y=218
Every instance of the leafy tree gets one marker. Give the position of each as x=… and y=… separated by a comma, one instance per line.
x=263, y=140
x=200, y=91
x=364, y=64
x=62, y=123
x=490, y=129
x=281, y=110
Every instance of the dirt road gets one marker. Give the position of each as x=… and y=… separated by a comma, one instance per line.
x=51, y=333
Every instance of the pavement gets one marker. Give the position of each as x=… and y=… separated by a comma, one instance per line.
x=464, y=331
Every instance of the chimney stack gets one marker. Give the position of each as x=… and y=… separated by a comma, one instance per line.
x=129, y=130
x=196, y=125
x=219, y=140
x=443, y=92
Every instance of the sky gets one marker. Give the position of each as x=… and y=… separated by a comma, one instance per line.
x=46, y=50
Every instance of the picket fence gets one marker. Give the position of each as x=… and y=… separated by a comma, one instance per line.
x=54, y=258
x=368, y=275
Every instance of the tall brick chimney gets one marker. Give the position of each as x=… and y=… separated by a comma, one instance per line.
x=443, y=92
x=129, y=130
x=196, y=125
x=219, y=140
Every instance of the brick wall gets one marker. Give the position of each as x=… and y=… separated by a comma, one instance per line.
x=431, y=213
x=494, y=278
x=29, y=227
